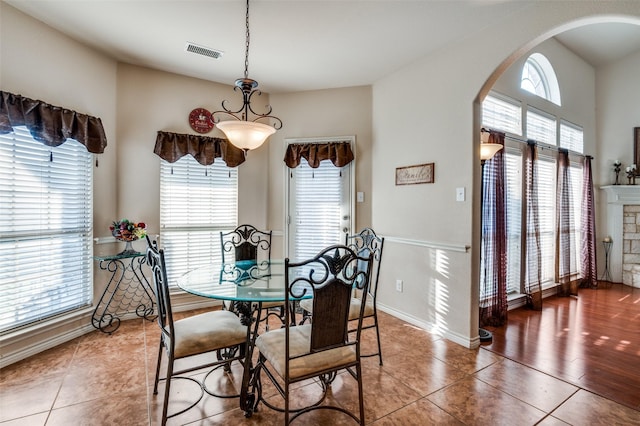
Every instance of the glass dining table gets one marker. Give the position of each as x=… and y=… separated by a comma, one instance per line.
x=247, y=285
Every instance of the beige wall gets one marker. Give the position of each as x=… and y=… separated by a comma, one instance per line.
x=618, y=112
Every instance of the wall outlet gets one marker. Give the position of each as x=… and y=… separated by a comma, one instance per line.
x=399, y=286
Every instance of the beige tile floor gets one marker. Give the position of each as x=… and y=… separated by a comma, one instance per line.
x=99, y=379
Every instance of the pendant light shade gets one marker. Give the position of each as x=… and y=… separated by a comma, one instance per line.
x=246, y=135
x=488, y=150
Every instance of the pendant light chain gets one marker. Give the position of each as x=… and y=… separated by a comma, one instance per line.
x=246, y=53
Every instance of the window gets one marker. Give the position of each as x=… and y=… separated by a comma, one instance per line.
x=196, y=203
x=539, y=78
x=46, y=265
x=504, y=114
x=571, y=137
x=541, y=127
x=513, y=189
x=319, y=207
x=546, y=174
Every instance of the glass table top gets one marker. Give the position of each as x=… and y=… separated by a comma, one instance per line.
x=245, y=281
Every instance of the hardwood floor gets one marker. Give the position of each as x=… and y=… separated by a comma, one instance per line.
x=591, y=341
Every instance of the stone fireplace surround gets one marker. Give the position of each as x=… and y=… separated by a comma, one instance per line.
x=623, y=226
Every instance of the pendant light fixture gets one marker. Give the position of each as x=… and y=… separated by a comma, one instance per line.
x=242, y=131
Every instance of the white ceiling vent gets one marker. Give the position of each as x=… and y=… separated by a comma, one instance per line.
x=201, y=50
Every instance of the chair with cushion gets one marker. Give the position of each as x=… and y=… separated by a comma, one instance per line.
x=212, y=332
x=247, y=243
x=363, y=243
x=322, y=348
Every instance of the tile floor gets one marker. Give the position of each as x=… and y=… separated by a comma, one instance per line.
x=99, y=379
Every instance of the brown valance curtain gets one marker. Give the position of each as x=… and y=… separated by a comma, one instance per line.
x=173, y=146
x=50, y=124
x=339, y=153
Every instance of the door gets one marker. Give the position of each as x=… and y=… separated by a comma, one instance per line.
x=320, y=206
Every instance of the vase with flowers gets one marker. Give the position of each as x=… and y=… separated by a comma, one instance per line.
x=127, y=231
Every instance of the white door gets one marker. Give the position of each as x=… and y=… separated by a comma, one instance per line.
x=320, y=207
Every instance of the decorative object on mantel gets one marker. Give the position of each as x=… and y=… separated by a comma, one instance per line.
x=241, y=132
x=616, y=168
x=631, y=174
x=127, y=231
x=411, y=175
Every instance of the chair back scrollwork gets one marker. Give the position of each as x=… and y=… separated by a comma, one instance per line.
x=246, y=242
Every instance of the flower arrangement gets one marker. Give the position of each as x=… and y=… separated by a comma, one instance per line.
x=125, y=230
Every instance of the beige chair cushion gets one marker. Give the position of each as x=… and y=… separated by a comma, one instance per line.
x=208, y=332
x=354, y=307
x=271, y=345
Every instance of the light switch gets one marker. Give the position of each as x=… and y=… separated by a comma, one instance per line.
x=460, y=194
x=360, y=197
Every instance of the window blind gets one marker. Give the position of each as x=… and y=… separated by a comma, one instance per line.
x=318, y=203
x=575, y=177
x=513, y=189
x=45, y=229
x=196, y=203
x=546, y=174
x=571, y=137
x=541, y=127
x=502, y=114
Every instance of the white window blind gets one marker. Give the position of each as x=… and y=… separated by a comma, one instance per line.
x=45, y=229
x=196, y=203
x=571, y=137
x=502, y=114
x=546, y=173
x=513, y=189
x=319, y=200
x=541, y=127
x=575, y=177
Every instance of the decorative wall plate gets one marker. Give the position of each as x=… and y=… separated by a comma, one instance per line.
x=200, y=120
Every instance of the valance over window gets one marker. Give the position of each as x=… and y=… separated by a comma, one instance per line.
x=173, y=146
x=339, y=153
x=50, y=124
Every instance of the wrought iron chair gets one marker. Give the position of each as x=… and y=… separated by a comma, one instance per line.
x=246, y=242
x=323, y=347
x=363, y=243
x=215, y=332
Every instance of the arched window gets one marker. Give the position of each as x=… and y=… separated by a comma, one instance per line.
x=539, y=78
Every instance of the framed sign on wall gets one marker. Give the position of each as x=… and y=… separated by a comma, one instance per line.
x=411, y=175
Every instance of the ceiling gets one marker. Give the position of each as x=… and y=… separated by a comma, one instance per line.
x=297, y=44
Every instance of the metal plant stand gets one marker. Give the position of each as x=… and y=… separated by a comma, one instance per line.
x=605, y=278
x=128, y=291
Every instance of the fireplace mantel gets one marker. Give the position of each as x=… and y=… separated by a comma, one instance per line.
x=622, y=194
x=623, y=257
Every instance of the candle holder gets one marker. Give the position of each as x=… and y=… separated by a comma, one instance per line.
x=616, y=169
